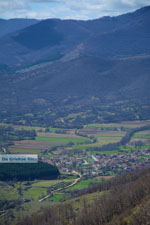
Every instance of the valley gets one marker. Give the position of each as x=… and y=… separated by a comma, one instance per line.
x=83, y=156
x=77, y=94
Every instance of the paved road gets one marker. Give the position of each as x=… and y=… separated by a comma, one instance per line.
x=60, y=189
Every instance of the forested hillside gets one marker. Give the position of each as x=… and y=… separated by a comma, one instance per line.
x=122, y=200
x=97, y=70
x=27, y=171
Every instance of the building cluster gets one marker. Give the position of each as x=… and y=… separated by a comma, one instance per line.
x=101, y=164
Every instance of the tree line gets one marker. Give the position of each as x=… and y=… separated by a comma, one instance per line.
x=8, y=134
x=27, y=171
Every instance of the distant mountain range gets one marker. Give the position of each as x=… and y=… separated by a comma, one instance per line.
x=66, y=65
x=12, y=25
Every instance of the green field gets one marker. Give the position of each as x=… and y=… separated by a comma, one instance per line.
x=89, y=198
x=97, y=144
x=142, y=135
x=84, y=184
x=101, y=126
x=47, y=183
x=58, y=197
x=144, y=146
x=24, y=150
x=52, y=129
x=61, y=139
x=109, y=136
x=8, y=192
x=108, y=152
x=35, y=192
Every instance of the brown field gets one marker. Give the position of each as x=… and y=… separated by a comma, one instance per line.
x=25, y=151
x=89, y=131
x=68, y=131
x=125, y=124
x=95, y=132
x=144, y=140
x=111, y=133
x=136, y=123
x=32, y=144
x=43, y=134
x=105, y=177
x=108, y=138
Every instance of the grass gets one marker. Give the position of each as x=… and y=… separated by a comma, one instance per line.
x=140, y=135
x=107, y=152
x=53, y=130
x=109, y=136
x=46, y=183
x=144, y=146
x=19, y=127
x=89, y=198
x=61, y=139
x=4, y=124
x=84, y=184
x=125, y=147
x=100, y=126
x=24, y=150
x=8, y=192
x=35, y=192
x=58, y=197
x=97, y=144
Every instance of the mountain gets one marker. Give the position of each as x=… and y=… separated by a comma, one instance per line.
x=47, y=39
x=125, y=35
x=129, y=40
x=12, y=25
x=98, y=70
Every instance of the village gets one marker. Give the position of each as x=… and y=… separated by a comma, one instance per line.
x=100, y=164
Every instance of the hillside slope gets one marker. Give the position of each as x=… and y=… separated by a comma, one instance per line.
x=121, y=200
x=58, y=67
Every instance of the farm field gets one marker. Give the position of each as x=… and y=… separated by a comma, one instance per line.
x=58, y=197
x=142, y=135
x=129, y=124
x=24, y=150
x=84, y=184
x=61, y=139
x=104, y=134
x=97, y=144
x=44, y=141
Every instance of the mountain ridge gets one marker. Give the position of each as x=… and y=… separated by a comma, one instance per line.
x=12, y=25
x=91, y=67
x=70, y=34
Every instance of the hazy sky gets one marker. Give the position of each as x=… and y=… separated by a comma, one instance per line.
x=67, y=9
